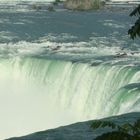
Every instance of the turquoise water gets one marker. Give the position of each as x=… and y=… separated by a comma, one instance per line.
x=63, y=67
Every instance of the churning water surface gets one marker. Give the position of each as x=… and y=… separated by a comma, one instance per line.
x=61, y=67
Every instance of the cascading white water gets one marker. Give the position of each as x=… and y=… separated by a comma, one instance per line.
x=42, y=93
x=38, y=93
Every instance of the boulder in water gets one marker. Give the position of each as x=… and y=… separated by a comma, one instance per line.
x=82, y=4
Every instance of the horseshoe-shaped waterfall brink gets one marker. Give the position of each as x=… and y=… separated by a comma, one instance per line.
x=64, y=67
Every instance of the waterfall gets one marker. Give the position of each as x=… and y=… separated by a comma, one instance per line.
x=39, y=93
x=78, y=87
x=58, y=68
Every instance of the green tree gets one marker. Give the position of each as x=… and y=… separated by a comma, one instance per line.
x=126, y=131
x=135, y=29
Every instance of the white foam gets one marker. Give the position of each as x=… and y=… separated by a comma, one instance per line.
x=96, y=48
x=31, y=88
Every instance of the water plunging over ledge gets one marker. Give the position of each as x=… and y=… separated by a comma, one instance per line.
x=62, y=67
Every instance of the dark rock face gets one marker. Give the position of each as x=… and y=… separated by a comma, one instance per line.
x=82, y=4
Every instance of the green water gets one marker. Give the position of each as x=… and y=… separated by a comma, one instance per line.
x=85, y=91
x=44, y=86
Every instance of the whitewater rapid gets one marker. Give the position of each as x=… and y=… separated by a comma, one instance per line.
x=37, y=94
x=62, y=67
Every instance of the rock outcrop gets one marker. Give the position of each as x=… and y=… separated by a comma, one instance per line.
x=82, y=4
